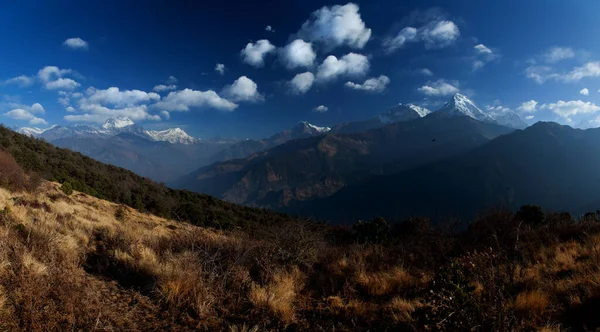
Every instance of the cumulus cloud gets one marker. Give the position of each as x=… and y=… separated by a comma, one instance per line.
x=482, y=49
x=117, y=98
x=242, y=89
x=375, y=84
x=163, y=87
x=37, y=108
x=529, y=117
x=52, y=77
x=321, y=109
x=99, y=114
x=590, y=69
x=437, y=33
x=76, y=44
x=541, y=74
x=585, y=92
x=172, y=80
x=165, y=115
x=556, y=54
x=439, y=88
x=336, y=26
x=21, y=81
x=269, y=28
x=424, y=72
x=70, y=109
x=25, y=115
x=528, y=106
x=301, y=83
x=220, y=68
x=254, y=53
x=351, y=64
x=184, y=100
x=566, y=109
x=406, y=35
x=298, y=54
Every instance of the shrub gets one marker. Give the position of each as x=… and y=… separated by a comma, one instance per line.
x=373, y=231
x=12, y=175
x=67, y=188
x=531, y=214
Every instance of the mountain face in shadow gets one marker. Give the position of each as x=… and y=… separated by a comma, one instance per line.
x=319, y=166
x=546, y=164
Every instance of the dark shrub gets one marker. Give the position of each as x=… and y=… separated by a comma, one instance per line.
x=373, y=231
x=531, y=214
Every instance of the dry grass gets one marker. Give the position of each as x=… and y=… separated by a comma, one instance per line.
x=278, y=294
x=532, y=303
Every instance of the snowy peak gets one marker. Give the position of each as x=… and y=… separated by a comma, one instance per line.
x=33, y=131
x=462, y=105
x=117, y=123
x=172, y=135
x=305, y=128
x=403, y=112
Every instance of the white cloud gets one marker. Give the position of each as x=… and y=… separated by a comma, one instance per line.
x=528, y=106
x=242, y=89
x=172, y=80
x=220, y=68
x=439, y=88
x=351, y=64
x=425, y=72
x=99, y=114
x=478, y=64
x=185, y=99
x=76, y=44
x=590, y=69
x=336, y=26
x=70, y=109
x=321, y=109
x=375, y=84
x=166, y=115
x=37, y=108
x=406, y=35
x=529, y=117
x=482, y=49
x=117, y=98
x=439, y=34
x=52, y=77
x=540, y=74
x=163, y=87
x=301, y=83
x=566, y=109
x=21, y=81
x=269, y=28
x=556, y=54
x=254, y=53
x=585, y=92
x=24, y=115
x=298, y=54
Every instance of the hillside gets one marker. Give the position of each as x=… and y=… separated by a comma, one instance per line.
x=546, y=164
x=75, y=262
x=319, y=166
x=122, y=186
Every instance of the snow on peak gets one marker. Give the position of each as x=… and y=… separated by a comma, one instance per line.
x=171, y=135
x=462, y=105
x=312, y=128
x=403, y=112
x=33, y=131
x=116, y=123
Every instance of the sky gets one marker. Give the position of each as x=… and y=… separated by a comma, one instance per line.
x=252, y=68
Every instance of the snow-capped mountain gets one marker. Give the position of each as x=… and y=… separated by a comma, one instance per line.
x=304, y=128
x=403, y=112
x=110, y=128
x=117, y=123
x=172, y=135
x=461, y=105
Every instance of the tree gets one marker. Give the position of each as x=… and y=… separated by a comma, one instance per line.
x=67, y=188
x=531, y=214
x=374, y=231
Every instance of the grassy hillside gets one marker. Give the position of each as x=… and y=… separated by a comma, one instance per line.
x=121, y=186
x=79, y=263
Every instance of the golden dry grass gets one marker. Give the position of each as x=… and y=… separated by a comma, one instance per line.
x=532, y=303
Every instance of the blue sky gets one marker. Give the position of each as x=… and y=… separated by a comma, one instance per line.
x=69, y=62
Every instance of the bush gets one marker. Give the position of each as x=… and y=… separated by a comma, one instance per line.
x=374, y=231
x=12, y=175
x=531, y=214
x=67, y=188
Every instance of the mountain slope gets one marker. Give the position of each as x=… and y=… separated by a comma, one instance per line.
x=399, y=113
x=547, y=164
x=122, y=186
x=319, y=166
